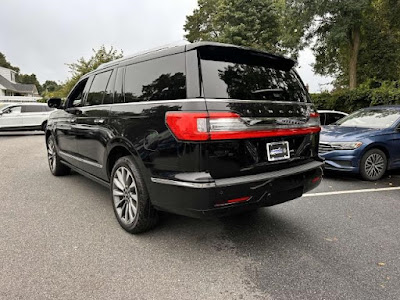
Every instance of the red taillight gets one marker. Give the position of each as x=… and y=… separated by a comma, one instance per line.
x=188, y=126
x=184, y=126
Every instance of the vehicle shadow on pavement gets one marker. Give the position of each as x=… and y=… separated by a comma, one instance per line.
x=263, y=224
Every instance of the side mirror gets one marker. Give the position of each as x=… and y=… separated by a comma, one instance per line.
x=54, y=102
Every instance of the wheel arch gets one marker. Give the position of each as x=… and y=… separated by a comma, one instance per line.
x=117, y=149
x=379, y=146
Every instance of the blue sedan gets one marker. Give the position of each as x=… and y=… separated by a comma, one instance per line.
x=366, y=142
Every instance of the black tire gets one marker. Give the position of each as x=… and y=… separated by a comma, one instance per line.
x=130, y=199
x=44, y=126
x=55, y=165
x=373, y=165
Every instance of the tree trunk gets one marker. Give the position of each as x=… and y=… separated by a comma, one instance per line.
x=354, y=50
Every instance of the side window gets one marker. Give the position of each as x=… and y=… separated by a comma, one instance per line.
x=119, y=96
x=109, y=96
x=76, y=96
x=332, y=118
x=13, y=110
x=158, y=79
x=32, y=108
x=97, y=89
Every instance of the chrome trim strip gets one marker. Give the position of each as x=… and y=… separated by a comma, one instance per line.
x=242, y=179
x=194, y=185
x=199, y=100
x=62, y=153
x=147, y=102
x=257, y=101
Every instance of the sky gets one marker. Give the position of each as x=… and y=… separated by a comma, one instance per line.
x=41, y=36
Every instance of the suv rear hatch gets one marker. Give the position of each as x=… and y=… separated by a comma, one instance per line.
x=258, y=109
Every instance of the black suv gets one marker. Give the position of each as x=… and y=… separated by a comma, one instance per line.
x=203, y=129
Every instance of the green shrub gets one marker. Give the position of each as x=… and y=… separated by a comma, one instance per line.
x=371, y=93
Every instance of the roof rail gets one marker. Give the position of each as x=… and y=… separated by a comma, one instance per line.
x=167, y=46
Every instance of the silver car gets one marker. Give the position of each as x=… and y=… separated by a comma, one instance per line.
x=24, y=116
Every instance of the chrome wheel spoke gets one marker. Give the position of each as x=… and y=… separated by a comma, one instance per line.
x=127, y=208
x=118, y=193
x=118, y=201
x=134, y=197
x=118, y=184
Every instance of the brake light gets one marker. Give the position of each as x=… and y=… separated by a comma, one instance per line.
x=193, y=126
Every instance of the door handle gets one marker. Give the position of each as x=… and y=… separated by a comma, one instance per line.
x=73, y=120
x=99, y=121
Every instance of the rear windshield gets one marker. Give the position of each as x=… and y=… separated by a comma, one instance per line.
x=246, y=78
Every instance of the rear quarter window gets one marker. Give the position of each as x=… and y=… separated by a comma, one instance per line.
x=162, y=78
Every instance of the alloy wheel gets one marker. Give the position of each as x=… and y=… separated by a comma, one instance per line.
x=51, y=154
x=374, y=165
x=125, y=195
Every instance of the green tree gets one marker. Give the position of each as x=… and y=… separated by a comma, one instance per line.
x=258, y=24
x=83, y=66
x=346, y=32
x=5, y=64
x=50, y=86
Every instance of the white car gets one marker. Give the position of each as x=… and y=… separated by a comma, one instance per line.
x=328, y=117
x=24, y=116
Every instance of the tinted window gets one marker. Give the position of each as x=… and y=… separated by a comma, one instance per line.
x=77, y=94
x=108, y=97
x=249, y=77
x=368, y=118
x=159, y=79
x=32, y=108
x=332, y=118
x=97, y=89
x=119, y=96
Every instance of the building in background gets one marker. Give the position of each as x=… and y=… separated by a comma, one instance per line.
x=11, y=91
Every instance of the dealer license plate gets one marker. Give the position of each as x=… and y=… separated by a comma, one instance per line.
x=278, y=151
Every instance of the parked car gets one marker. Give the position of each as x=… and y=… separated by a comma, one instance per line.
x=328, y=117
x=201, y=130
x=366, y=142
x=32, y=116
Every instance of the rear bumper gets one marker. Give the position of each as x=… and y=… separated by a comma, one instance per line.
x=198, y=195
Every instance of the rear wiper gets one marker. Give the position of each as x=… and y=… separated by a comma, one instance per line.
x=267, y=91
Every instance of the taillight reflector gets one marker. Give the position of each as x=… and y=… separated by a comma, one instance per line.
x=188, y=126
x=233, y=201
x=237, y=200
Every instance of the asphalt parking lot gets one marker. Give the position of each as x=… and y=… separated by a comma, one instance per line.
x=60, y=240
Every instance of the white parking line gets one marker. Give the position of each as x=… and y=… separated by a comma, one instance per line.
x=352, y=192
